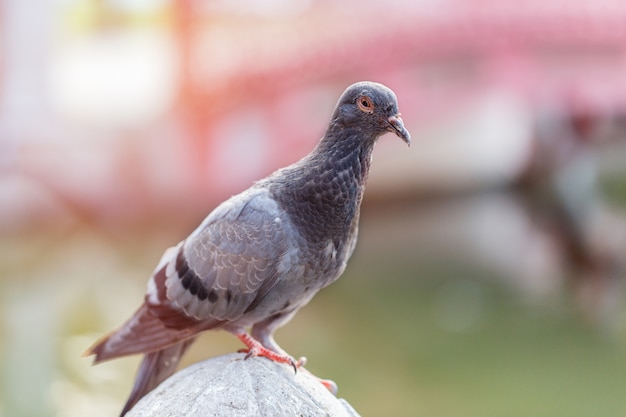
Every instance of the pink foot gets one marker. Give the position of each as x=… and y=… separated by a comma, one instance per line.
x=255, y=348
x=329, y=384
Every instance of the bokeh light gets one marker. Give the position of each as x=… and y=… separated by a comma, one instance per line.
x=488, y=280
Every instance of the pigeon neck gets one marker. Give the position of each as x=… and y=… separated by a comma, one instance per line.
x=323, y=192
x=349, y=151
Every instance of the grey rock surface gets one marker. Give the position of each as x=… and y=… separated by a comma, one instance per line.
x=229, y=386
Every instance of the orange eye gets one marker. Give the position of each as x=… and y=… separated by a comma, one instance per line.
x=365, y=104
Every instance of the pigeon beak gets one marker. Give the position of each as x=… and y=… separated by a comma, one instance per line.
x=396, y=125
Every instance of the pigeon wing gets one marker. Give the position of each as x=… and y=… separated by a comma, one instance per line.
x=234, y=258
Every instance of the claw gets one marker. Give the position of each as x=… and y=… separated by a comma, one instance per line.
x=330, y=385
x=255, y=348
x=327, y=383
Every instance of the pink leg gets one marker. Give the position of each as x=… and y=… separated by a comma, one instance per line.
x=329, y=384
x=255, y=348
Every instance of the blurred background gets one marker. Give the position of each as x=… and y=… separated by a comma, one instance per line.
x=489, y=277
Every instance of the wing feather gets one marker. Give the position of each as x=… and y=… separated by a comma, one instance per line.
x=233, y=259
x=154, y=326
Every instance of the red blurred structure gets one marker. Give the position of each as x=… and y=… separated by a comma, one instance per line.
x=254, y=90
x=442, y=58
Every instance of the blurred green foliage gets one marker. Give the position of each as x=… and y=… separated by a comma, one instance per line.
x=402, y=353
x=402, y=334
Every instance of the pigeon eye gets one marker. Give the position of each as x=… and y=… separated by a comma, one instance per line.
x=365, y=104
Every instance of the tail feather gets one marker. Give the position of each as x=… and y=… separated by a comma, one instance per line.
x=154, y=369
x=159, y=331
x=142, y=333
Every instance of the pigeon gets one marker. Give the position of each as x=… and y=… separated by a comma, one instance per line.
x=261, y=255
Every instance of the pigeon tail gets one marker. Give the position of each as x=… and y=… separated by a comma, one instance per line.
x=143, y=333
x=153, y=327
x=154, y=369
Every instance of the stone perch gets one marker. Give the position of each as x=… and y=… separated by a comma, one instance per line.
x=229, y=386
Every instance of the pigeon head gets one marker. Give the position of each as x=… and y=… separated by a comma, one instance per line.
x=372, y=109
